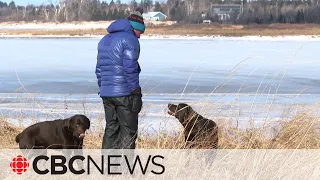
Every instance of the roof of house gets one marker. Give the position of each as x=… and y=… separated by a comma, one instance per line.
x=151, y=14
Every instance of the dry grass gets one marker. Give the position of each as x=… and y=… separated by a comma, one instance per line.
x=299, y=133
x=8, y=134
x=192, y=29
x=237, y=30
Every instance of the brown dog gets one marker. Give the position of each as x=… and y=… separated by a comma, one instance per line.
x=199, y=132
x=57, y=134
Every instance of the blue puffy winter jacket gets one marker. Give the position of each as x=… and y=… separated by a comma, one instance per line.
x=117, y=68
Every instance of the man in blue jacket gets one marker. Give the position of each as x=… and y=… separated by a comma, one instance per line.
x=117, y=71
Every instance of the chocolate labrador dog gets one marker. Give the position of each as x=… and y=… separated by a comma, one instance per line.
x=57, y=134
x=199, y=131
x=66, y=134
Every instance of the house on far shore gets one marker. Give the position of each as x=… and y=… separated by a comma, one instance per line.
x=226, y=12
x=154, y=16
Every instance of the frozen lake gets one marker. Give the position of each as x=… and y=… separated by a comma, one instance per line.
x=44, y=78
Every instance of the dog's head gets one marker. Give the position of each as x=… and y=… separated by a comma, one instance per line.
x=78, y=124
x=181, y=111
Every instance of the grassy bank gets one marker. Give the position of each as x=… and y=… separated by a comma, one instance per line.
x=188, y=29
x=237, y=30
x=301, y=132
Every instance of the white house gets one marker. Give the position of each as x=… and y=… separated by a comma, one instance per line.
x=154, y=16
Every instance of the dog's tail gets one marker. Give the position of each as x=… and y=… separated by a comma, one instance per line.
x=18, y=137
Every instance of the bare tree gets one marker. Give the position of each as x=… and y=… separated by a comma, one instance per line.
x=46, y=12
x=24, y=13
x=190, y=4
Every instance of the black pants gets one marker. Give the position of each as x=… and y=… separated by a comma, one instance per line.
x=121, y=115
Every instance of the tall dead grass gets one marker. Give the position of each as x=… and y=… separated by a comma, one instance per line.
x=301, y=132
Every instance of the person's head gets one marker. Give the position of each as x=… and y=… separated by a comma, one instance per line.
x=136, y=21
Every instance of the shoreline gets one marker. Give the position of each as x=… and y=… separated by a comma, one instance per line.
x=12, y=25
x=178, y=37
x=162, y=30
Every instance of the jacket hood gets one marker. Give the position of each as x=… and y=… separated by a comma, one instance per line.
x=122, y=25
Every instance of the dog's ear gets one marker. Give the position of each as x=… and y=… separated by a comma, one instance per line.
x=88, y=123
x=67, y=123
x=181, y=113
x=184, y=111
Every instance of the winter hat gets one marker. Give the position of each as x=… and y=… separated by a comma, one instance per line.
x=136, y=20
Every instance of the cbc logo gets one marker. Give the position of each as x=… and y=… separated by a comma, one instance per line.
x=19, y=164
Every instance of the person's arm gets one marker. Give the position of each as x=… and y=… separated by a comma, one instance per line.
x=132, y=69
x=98, y=74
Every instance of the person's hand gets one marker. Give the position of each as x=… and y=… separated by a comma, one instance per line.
x=136, y=100
x=136, y=91
x=136, y=103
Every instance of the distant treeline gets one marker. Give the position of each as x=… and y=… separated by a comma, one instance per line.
x=186, y=11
